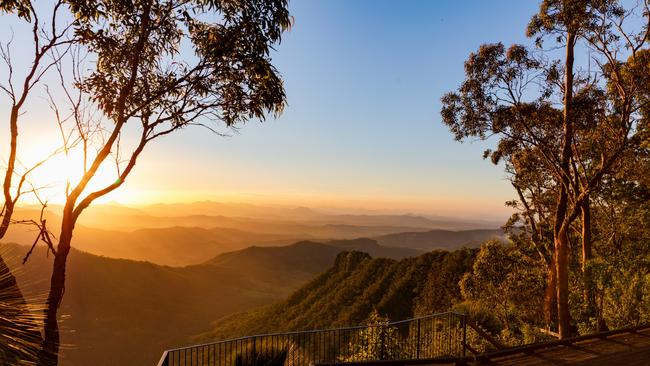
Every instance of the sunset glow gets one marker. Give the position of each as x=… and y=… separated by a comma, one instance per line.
x=325, y=154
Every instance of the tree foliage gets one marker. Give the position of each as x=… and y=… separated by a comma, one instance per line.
x=154, y=66
x=563, y=131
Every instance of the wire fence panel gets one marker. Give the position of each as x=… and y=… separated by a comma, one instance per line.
x=429, y=337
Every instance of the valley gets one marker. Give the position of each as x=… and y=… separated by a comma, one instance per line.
x=123, y=285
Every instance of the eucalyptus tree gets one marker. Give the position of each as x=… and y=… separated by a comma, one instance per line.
x=157, y=66
x=576, y=122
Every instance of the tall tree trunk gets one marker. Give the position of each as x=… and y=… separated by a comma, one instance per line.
x=9, y=173
x=562, y=266
x=49, y=353
x=550, y=294
x=587, y=277
x=560, y=228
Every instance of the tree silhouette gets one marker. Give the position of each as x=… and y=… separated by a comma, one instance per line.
x=141, y=76
x=19, y=328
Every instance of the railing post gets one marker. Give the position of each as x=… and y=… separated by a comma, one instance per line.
x=382, y=355
x=449, y=333
x=254, y=353
x=417, y=351
x=464, y=334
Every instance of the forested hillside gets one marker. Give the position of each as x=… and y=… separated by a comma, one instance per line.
x=500, y=286
x=349, y=291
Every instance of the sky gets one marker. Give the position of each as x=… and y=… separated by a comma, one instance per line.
x=362, y=127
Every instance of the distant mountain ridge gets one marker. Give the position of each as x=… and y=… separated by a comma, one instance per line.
x=440, y=239
x=307, y=254
x=184, y=234
x=208, y=214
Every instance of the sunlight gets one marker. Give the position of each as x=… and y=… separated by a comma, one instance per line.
x=53, y=176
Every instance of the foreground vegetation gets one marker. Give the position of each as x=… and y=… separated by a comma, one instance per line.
x=500, y=286
x=574, y=139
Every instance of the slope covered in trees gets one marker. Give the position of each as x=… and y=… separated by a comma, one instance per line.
x=348, y=292
x=500, y=286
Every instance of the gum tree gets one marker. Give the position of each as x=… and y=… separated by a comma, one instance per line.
x=155, y=67
x=577, y=123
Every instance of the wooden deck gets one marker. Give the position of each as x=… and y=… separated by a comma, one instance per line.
x=627, y=349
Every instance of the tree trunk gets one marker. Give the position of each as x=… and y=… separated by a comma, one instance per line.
x=562, y=267
x=9, y=173
x=550, y=294
x=49, y=353
x=587, y=277
x=6, y=219
x=561, y=237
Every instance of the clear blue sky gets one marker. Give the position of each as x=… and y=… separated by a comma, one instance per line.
x=362, y=128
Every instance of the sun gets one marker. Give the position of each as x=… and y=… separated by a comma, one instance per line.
x=61, y=172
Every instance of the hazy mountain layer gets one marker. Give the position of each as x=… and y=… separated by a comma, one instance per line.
x=440, y=239
x=191, y=233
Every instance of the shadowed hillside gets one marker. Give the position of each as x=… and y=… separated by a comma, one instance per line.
x=118, y=311
x=307, y=255
x=375, y=250
x=348, y=292
x=173, y=246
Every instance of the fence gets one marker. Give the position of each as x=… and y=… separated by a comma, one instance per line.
x=428, y=337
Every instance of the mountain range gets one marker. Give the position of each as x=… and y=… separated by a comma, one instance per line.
x=191, y=239
x=440, y=239
x=126, y=312
x=141, y=280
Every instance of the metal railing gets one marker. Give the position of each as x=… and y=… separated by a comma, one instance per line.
x=433, y=336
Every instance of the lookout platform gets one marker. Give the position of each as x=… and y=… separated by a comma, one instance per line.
x=626, y=349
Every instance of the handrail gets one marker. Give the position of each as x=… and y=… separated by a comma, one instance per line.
x=310, y=331
x=163, y=359
x=560, y=342
x=485, y=335
x=429, y=339
x=430, y=336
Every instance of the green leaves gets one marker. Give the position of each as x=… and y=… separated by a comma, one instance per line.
x=21, y=8
x=142, y=72
x=560, y=131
